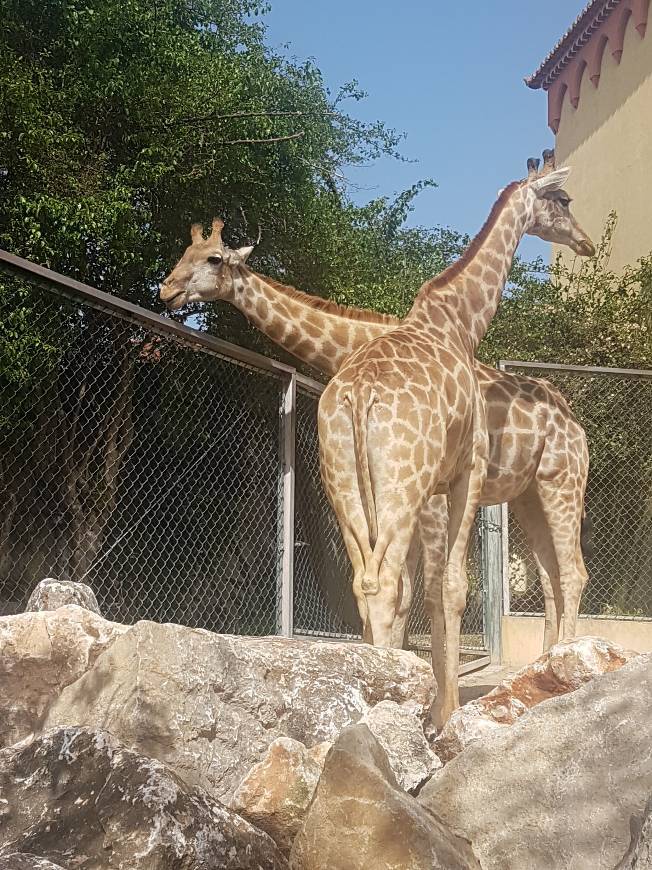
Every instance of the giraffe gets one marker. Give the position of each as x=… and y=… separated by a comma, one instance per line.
x=533, y=435
x=405, y=417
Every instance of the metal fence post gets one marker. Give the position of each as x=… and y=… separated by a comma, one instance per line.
x=288, y=409
x=507, y=593
x=492, y=559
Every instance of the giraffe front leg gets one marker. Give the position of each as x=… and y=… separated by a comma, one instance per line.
x=529, y=513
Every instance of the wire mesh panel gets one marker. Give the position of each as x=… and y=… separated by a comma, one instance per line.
x=144, y=467
x=615, y=409
x=323, y=600
x=153, y=464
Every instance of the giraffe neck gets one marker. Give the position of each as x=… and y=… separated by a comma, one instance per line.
x=464, y=298
x=317, y=331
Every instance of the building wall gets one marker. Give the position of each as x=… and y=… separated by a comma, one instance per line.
x=608, y=142
x=522, y=636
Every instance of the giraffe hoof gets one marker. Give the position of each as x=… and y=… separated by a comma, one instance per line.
x=370, y=586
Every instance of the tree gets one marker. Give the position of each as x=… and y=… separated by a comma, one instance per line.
x=122, y=123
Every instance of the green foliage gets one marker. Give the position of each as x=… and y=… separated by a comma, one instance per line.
x=581, y=314
x=125, y=121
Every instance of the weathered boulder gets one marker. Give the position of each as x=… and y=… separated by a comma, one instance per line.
x=277, y=791
x=80, y=799
x=50, y=594
x=564, y=668
x=401, y=735
x=639, y=854
x=23, y=861
x=209, y=705
x=360, y=818
x=40, y=654
x=558, y=788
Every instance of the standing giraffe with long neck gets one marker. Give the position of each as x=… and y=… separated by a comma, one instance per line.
x=533, y=435
x=404, y=417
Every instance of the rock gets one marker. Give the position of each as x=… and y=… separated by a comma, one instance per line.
x=360, y=819
x=81, y=799
x=277, y=791
x=564, y=668
x=50, y=594
x=209, y=705
x=558, y=788
x=639, y=854
x=40, y=654
x=23, y=861
x=400, y=733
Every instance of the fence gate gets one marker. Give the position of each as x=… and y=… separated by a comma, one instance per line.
x=615, y=408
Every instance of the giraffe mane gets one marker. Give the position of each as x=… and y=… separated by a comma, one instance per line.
x=476, y=243
x=328, y=306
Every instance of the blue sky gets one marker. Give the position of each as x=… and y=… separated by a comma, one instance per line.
x=450, y=75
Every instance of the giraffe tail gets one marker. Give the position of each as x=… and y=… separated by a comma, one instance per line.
x=361, y=398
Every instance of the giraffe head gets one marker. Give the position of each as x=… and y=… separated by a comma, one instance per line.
x=206, y=271
x=551, y=218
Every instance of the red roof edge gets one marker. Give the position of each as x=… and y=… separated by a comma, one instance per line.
x=578, y=34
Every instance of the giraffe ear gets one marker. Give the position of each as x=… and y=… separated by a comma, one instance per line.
x=553, y=180
x=243, y=253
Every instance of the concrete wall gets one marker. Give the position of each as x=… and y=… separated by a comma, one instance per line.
x=607, y=141
x=522, y=636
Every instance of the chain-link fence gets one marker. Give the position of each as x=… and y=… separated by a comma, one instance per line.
x=615, y=408
x=175, y=474
x=138, y=463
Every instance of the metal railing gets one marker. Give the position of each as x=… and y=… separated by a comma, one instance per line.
x=175, y=473
x=615, y=408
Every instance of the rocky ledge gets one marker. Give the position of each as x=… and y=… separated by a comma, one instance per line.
x=159, y=746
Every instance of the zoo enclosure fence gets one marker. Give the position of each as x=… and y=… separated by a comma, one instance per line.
x=615, y=408
x=178, y=475
x=175, y=473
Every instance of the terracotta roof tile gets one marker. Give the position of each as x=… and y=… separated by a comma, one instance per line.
x=577, y=35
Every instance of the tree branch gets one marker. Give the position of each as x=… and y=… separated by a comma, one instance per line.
x=261, y=141
x=213, y=116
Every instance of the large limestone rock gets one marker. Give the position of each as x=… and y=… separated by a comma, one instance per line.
x=564, y=668
x=40, y=654
x=50, y=594
x=360, y=818
x=639, y=854
x=400, y=733
x=277, y=791
x=209, y=705
x=558, y=788
x=22, y=861
x=81, y=800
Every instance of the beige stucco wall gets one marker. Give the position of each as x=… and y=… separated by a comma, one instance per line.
x=608, y=142
x=522, y=636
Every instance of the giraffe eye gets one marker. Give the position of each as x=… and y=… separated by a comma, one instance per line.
x=564, y=201
x=216, y=260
